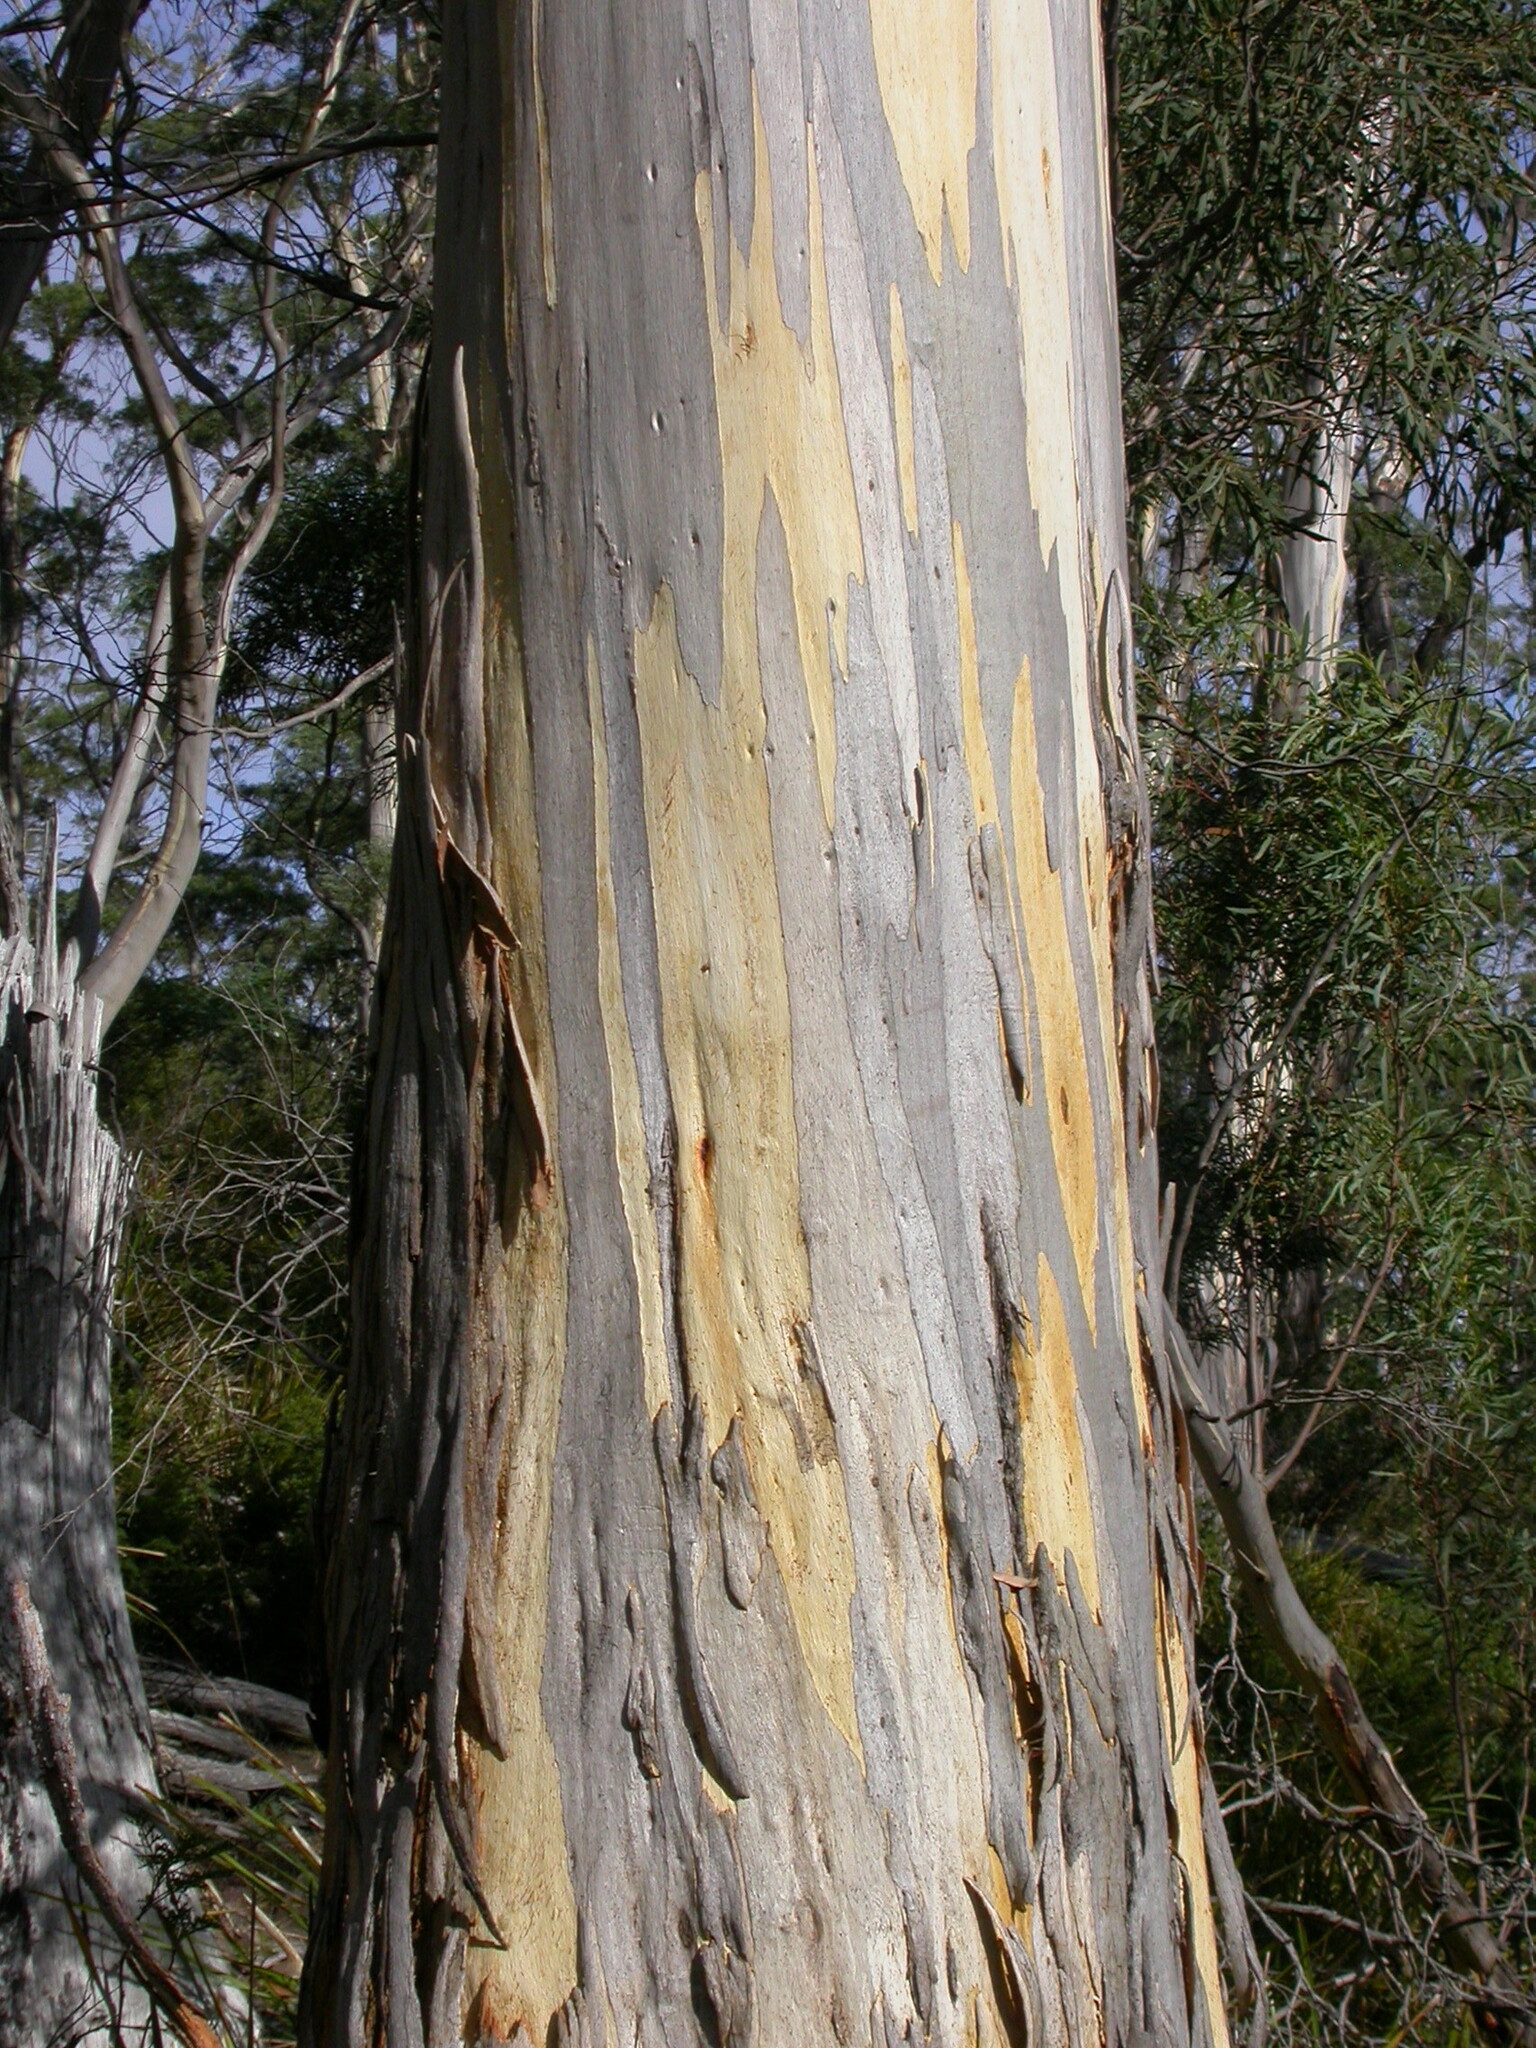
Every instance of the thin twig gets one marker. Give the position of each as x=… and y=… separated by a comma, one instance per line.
x=1271, y=1479
x=349, y=690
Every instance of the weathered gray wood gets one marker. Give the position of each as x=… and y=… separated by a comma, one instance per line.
x=63, y=1189
x=258, y=1707
x=758, y=1583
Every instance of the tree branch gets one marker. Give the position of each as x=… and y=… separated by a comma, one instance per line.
x=1346, y=1731
x=1298, y=1444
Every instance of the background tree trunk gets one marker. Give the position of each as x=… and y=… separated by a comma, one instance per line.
x=1313, y=565
x=759, y=1570
x=63, y=1192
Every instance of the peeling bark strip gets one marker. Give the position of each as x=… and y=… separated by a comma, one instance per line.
x=759, y=1576
x=63, y=1192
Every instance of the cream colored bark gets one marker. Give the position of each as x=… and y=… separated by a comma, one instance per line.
x=1314, y=566
x=758, y=1591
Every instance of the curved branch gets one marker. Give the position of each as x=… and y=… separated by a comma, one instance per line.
x=344, y=695
x=197, y=657
x=123, y=790
x=1316, y=1666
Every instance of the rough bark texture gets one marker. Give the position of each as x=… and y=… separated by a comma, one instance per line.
x=759, y=1559
x=63, y=1189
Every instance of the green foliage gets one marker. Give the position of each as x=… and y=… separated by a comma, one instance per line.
x=1349, y=1046
x=231, y=1875
x=1316, y=190
x=233, y=1284
x=1347, y=1954
x=325, y=600
x=235, y=1875
x=1325, y=230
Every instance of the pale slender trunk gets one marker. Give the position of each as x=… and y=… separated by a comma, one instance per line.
x=61, y=1185
x=379, y=774
x=1313, y=564
x=1386, y=485
x=758, y=1585
x=63, y=1190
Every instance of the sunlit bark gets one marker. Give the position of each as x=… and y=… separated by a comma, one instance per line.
x=759, y=1572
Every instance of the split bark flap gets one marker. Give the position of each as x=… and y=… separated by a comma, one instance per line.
x=741, y=1526
x=414, y=1460
x=680, y=1458
x=1014, y=1976
x=972, y=1571
x=989, y=883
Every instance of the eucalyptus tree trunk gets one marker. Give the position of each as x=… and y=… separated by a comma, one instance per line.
x=1313, y=562
x=63, y=1191
x=758, y=1585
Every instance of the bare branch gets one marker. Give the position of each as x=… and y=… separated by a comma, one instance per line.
x=1341, y=1720
x=344, y=695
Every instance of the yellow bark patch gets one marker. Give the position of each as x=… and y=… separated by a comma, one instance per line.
x=715, y=1792
x=521, y=1824
x=1057, y=1494
x=986, y=2029
x=546, y=181
x=781, y=428
x=1024, y=146
x=623, y=1081
x=1173, y=1693
x=1063, y=1047
x=1026, y=150
x=925, y=59
x=744, y=1279
x=901, y=404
